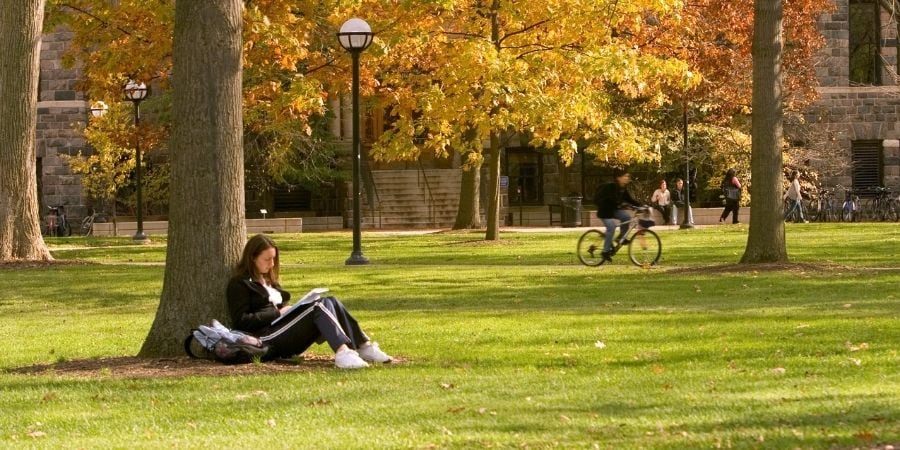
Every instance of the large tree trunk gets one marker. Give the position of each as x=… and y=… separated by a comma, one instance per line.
x=493, y=215
x=765, y=241
x=468, y=214
x=21, y=23
x=206, y=209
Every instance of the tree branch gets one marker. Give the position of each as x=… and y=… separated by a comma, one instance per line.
x=103, y=23
x=524, y=30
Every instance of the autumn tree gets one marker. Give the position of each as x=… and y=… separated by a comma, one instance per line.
x=461, y=75
x=765, y=241
x=206, y=212
x=21, y=25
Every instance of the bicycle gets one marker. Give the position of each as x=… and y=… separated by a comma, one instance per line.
x=644, y=245
x=850, y=209
x=884, y=205
x=57, y=223
x=822, y=209
x=87, y=223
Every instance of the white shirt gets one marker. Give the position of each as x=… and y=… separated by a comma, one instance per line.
x=793, y=191
x=661, y=197
x=274, y=295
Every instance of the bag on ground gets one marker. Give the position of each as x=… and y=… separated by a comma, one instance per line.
x=224, y=345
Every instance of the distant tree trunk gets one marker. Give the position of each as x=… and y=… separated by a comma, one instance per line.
x=468, y=214
x=493, y=215
x=765, y=241
x=21, y=23
x=206, y=209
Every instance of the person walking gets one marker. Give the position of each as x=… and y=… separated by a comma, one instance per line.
x=731, y=187
x=796, y=196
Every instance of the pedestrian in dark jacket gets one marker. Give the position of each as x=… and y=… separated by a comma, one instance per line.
x=259, y=306
x=610, y=198
x=731, y=189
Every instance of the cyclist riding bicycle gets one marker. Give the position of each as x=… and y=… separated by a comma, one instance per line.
x=610, y=198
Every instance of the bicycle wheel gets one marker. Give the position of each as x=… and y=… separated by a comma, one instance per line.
x=590, y=247
x=65, y=229
x=645, y=248
x=87, y=226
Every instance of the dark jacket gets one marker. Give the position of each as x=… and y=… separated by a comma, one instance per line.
x=608, y=198
x=678, y=196
x=249, y=305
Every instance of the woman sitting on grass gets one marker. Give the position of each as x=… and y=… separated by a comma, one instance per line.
x=256, y=301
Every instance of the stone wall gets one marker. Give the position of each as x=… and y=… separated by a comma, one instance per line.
x=62, y=113
x=846, y=113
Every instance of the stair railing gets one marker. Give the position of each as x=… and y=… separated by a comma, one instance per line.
x=431, y=210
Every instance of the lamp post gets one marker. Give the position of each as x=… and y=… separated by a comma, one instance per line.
x=98, y=109
x=136, y=93
x=688, y=221
x=355, y=36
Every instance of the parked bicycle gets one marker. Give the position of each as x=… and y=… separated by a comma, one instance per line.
x=850, y=210
x=822, y=208
x=87, y=223
x=57, y=223
x=884, y=206
x=644, y=246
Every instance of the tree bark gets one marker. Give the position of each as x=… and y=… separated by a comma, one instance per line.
x=21, y=24
x=206, y=212
x=468, y=213
x=765, y=240
x=493, y=215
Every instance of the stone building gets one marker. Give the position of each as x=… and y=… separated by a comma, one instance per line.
x=858, y=113
x=62, y=113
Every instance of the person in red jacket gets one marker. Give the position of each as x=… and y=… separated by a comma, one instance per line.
x=259, y=307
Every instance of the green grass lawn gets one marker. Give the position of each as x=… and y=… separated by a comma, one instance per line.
x=507, y=344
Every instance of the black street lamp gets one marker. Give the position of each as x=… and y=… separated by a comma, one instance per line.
x=355, y=36
x=136, y=93
x=688, y=221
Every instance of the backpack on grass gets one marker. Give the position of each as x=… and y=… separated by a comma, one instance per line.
x=223, y=345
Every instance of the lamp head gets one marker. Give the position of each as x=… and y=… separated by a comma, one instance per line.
x=355, y=35
x=135, y=91
x=99, y=108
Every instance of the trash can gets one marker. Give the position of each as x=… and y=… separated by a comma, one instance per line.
x=571, y=211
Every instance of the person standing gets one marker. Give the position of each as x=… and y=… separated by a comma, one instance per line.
x=610, y=198
x=731, y=187
x=661, y=200
x=796, y=196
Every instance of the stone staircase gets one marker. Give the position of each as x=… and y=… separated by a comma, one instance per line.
x=412, y=199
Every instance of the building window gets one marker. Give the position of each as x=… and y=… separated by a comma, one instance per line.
x=524, y=167
x=865, y=58
x=867, y=165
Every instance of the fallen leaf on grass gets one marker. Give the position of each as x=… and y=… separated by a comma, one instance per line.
x=271, y=422
x=864, y=436
x=778, y=370
x=847, y=305
x=855, y=361
x=36, y=434
x=599, y=344
x=564, y=418
x=447, y=385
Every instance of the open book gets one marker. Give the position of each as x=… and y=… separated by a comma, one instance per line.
x=310, y=297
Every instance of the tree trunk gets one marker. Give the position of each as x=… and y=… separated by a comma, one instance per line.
x=493, y=215
x=206, y=210
x=468, y=214
x=21, y=23
x=765, y=241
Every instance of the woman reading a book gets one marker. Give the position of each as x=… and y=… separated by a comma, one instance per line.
x=258, y=306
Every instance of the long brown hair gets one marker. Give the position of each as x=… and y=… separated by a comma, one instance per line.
x=247, y=265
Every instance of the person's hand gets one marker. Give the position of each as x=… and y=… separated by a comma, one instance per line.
x=283, y=309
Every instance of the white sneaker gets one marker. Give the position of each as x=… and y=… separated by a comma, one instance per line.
x=371, y=353
x=349, y=359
